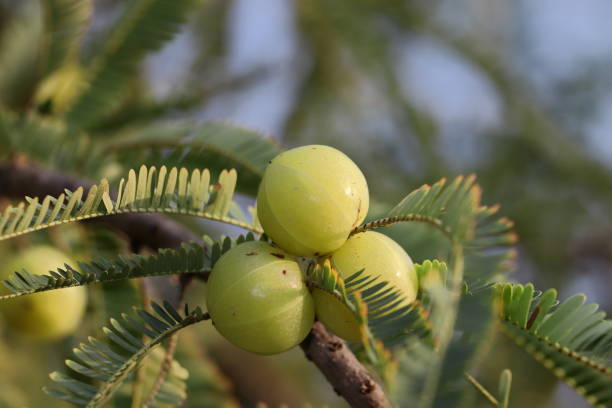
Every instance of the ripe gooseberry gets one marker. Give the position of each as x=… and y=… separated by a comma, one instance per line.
x=379, y=256
x=310, y=198
x=46, y=315
x=257, y=299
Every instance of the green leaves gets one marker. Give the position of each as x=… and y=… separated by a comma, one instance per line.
x=65, y=24
x=219, y=145
x=380, y=329
x=109, y=365
x=455, y=209
x=170, y=192
x=144, y=27
x=479, y=249
x=572, y=340
x=447, y=206
x=190, y=258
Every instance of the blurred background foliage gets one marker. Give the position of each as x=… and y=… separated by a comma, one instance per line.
x=516, y=92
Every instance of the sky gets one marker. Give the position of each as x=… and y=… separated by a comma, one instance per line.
x=555, y=39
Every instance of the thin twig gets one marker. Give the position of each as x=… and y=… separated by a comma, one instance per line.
x=166, y=364
x=385, y=222
x=164, y=370
x=482, y=390
x=137, y=387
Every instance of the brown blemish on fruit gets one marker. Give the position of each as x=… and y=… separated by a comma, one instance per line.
x=358, y=212
x=281, y=256
x=284, y=271
x=251, y=253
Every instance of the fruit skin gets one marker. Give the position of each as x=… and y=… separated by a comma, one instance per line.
x=257, y=299
x=379, y=256
x=310, y=198
x=46, y=315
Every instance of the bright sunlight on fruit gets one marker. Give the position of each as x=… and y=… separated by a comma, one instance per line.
x=257, y=299
x=310, y=199
x=378, y=256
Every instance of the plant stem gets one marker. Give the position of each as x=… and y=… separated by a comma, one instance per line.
x=482, y=390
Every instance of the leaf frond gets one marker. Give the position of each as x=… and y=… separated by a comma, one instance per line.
x=571, y=339
x=65, y=24
x=110, y=364
x=480, y=250
x=191, y=258
x=171, y=192
x=43, y=139
x=385, y=320
x=451, y=204
x=453, y=208
x=220, y=145
x=144, y=27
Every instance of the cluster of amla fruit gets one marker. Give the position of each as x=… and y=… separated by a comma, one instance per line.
x=42, y=316
x=309, y=201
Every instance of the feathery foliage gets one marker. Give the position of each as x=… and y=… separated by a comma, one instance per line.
x=207, y=386
x=171, y=192
x=479, y=251
x=109, y=365
x=45, y=140
x=171, y=392
x=19, y=57
x=572, y=340
x=219, y=145
x=65, y=24
x=380, y=329
x=144, y=27
x=191, y=258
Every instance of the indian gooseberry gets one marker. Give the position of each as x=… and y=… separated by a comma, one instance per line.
x=257, y=299
x=46, y=315
x=379, y=256
x=310, y=198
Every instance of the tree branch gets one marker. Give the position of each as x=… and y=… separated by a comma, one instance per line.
x=329, y=353
x=342, y=369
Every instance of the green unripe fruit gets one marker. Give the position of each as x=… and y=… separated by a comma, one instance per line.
x=310, y=198
x=257, y=299
x=46, y=315
x=380, y=257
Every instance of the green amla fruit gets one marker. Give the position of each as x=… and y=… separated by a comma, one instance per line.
x=60, y=89
x=257, y=299
x=310, y=198
x=379, y=256
x=46, y=315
